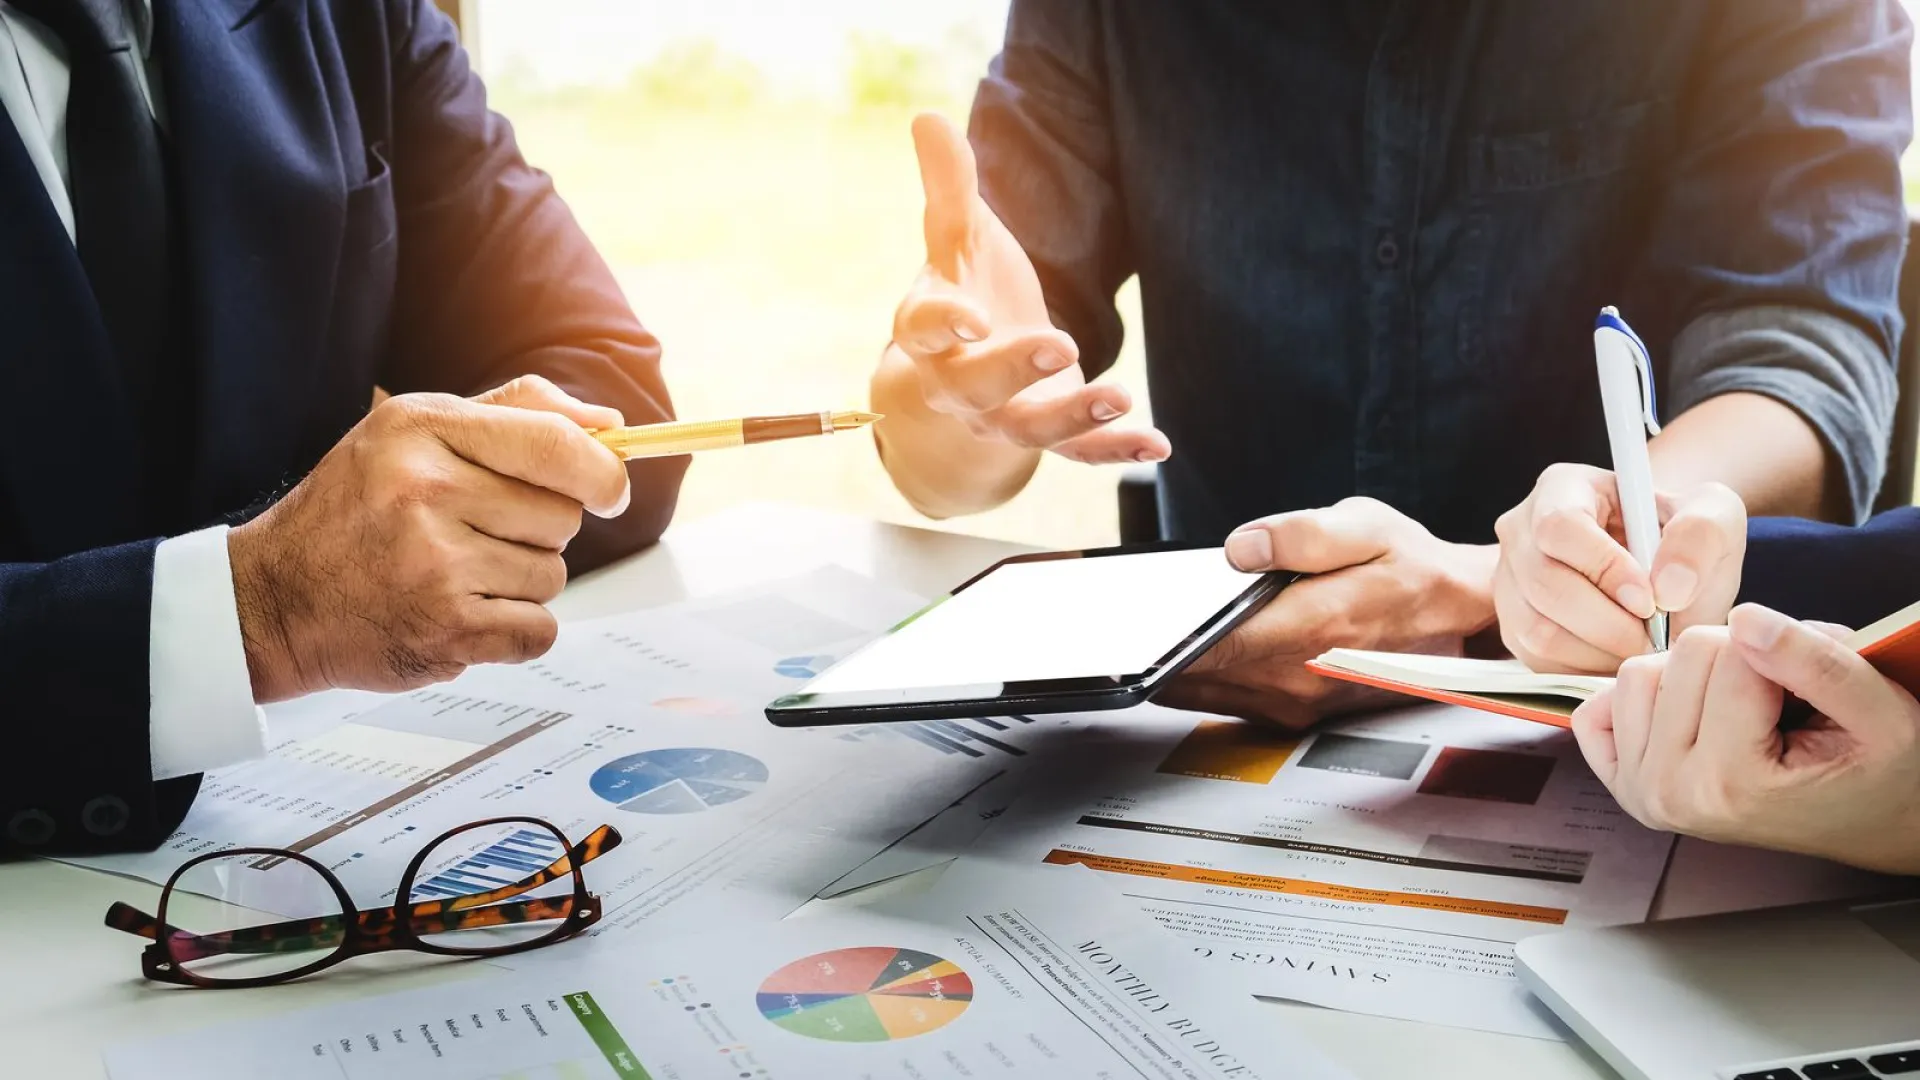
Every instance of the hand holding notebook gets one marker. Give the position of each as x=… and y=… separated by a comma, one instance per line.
x=1509, y=687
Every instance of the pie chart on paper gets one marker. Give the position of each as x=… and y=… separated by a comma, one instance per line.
x=875, y=994
x=682, y=780
x=803, y=667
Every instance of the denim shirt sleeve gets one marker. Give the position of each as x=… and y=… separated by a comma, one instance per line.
x=1783, y=227
x=1041, y=134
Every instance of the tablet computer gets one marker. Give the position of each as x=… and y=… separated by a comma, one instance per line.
x=1065, y=631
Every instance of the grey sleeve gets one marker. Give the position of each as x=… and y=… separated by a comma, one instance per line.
x=1822, y=366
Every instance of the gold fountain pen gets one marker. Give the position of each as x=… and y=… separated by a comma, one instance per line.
x=692, y=436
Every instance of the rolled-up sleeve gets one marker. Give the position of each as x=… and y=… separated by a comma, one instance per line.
x=1833, y=374
x=1783, y=226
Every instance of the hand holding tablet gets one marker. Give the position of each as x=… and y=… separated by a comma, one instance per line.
x=1057, y=632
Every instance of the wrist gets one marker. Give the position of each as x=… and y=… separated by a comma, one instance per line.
x=1467, y=588
x=936, y=462
x=1896, y=850
x=265, y=630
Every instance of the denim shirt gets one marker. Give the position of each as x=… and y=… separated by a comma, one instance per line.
x=1372, y=235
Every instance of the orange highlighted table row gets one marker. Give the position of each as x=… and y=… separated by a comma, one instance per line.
x=1302, y=887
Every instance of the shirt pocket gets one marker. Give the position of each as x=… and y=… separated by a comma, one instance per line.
x=1556, y=220
x=1592, y=149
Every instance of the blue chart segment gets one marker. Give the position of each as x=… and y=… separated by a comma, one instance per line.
x=509, y=860
x=803, y=667
x=684, y=780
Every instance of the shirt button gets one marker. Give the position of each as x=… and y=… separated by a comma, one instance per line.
x=30, y=828
x=105, y=816
x=1386, y=251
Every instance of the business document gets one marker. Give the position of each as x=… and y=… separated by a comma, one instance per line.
x=1030, y=977
x=1382, y=865
x=651, y=722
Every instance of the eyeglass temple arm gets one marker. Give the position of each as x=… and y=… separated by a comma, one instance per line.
x=430, y=916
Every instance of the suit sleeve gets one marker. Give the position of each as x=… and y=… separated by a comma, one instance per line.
x=497, y=279
x=1834, y=573
x=1045, y=148
x=77, y=777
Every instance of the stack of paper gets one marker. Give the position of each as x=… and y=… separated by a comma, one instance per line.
x=1384, y=865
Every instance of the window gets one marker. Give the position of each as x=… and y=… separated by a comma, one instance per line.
x=747, y=170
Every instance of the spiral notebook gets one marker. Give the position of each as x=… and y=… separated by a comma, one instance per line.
x=1509, y=688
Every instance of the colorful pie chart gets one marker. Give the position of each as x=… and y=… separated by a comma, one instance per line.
x=874, y=994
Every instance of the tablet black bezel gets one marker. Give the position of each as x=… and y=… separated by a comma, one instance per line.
x=1032, y=695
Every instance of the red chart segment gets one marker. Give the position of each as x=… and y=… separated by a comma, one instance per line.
x=905, y=993
x=843, y=971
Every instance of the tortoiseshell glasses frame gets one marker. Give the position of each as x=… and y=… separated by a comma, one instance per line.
x=354, y=933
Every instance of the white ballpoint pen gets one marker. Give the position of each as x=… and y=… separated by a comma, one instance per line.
x=1626, y=395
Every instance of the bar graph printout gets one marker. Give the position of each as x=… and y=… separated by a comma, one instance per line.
x=650, y=722
x=1383, y=865
x=1027, y=976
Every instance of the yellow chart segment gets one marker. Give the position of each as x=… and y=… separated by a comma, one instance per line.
x=1230, y=750
x=945, y=969
x=905, y=1017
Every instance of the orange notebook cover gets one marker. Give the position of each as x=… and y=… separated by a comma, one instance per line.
x=1891, y=645
x=1552, y=709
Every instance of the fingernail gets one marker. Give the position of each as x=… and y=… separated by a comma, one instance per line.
x=1250, y=550
x=965, y=332
x=1636, y=600
x=1049, y=361
x=1757, y=627
x=1104, y=412
x=626, y=500
x=1673, y=589
x=1149, y=457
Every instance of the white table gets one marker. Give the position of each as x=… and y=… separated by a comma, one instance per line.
x=69, y=986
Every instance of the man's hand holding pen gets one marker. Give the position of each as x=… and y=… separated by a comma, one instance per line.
x=427, y=540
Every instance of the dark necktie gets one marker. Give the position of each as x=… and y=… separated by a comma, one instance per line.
x=118, y=178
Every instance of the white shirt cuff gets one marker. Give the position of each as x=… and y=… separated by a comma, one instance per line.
x=203, y=716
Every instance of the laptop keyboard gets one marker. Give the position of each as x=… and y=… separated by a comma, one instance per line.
x=1881, y=1061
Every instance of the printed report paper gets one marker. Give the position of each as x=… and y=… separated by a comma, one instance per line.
x=1384, y=865
x=1027, y=976
x=651, y=722
x=942, y=839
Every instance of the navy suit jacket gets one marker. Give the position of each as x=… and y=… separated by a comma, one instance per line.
x=1835, y=573
x=351, y=215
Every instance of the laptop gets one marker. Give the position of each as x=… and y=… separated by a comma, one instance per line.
x=1825, y=992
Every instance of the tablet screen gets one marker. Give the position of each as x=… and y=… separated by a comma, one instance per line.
x=1053, y=619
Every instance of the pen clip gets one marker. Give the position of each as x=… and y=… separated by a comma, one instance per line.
x=1642, y=367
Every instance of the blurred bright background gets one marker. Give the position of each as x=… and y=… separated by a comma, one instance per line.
x=746, y=168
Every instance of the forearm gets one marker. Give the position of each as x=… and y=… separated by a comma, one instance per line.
x=940, y=466
x=1765, y=451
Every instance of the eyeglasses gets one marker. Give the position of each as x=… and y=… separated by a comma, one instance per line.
x=500, y=886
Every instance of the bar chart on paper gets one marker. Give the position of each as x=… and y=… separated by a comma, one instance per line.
x=505, y=862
